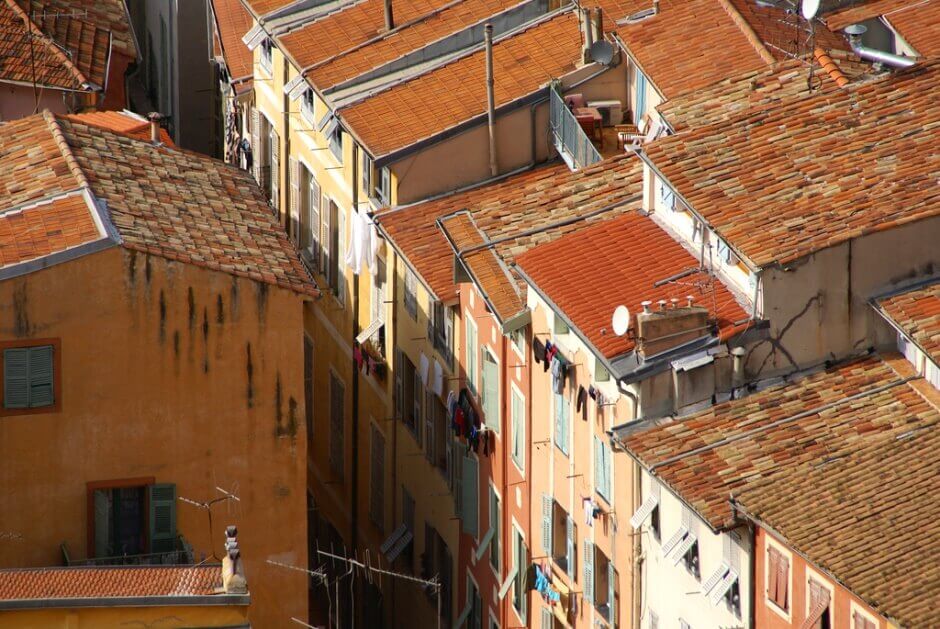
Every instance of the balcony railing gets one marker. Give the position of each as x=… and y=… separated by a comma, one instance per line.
x=183, y=555
x=571, y=142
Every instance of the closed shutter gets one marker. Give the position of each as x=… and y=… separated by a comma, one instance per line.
x=460, y=453
x=313, y=218
x=548, y=620
x=611, y=600
x=378, y=478
x=162, y=518
x=598, y=467
x=490, y=391
x=861, y=622
x=399, y=388
x=429, y=426
x=588, y=571
x=256, y=143
x=294, y=203
x=16, y=378
x=783, y=582
x=547, y=503
x=418, y=395
x=40, y=376
x=518, y=430
x=772, y=580
x=640, y=104
x=339, y=272
x=275, y=170
x=570, y=547
x=326, y=239
x=471, y=497
x=561, y=422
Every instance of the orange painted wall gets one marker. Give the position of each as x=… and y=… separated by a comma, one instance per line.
x=156, y=381
x=768, y=617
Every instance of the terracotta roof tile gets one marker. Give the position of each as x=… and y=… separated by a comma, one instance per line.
x=47, y=227
x=446, y=18
x=232, y=21
x=260, y=8
x=780, y=183
x=124, y=122
x=710, y=456
x=917, y=312
x=861, y=11
x=919, y=25
x=438, y=100
x=109, y=15
x=109, y=582
x=589, y=272
x=868, y=515
x=33, y=165
x=535, y=198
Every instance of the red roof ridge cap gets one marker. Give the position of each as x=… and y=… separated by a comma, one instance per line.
x=749, y=33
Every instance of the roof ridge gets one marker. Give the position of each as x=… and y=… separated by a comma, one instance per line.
x=749, y=33
x=59, y=136
x=50, y=42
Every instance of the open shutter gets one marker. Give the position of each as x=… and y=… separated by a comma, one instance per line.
x=40, y=376
x=490, y=392
x=547, y=524
x=294, y=203
x=565, y=417
x=460, y=454
x=16, y=378
x=162, y=518
x=429, y=427
x=399, y=387
x=772, y=579
x=275, y=169
x=611, y=600
x=588, y=571
x=256, y=143
x=598, y=467
x=570, y=547
x=640, y=104
x=340, y=249
x=548, y=620
x=313, y=210
x=471, y=497
x=783, y=582
x=326, y=239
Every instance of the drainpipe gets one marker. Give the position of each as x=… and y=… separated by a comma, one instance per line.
x=588, y=34
x=354, y=493
x=389, y=18
x=391, y=340
x=490, y=97
x=855, y=32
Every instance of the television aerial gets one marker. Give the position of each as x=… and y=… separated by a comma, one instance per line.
x=621, y=321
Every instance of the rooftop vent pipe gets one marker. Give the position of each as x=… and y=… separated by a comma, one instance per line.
x=389, y=18
x=855, y=32
x=588, y=34
x=154, y=118
x=490, y=98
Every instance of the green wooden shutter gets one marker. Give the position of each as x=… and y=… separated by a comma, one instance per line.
x=377, y=506
x=548, y=620
x=588, y=571
x=340, y=254
x=471, y=497
x=16, y=378
x=326, y=239
x=561, y=432
x=611, y=601
x=256, y=143
x=547, y=524
x=460, y=453
x=570, y=547
x=275, y=143
x=40, y=376
x=162, y=518
x=598, y=469
x=490, y=391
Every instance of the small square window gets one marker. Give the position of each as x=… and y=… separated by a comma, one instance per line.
x=690, y=560
x=654, y=524
x=267, y=54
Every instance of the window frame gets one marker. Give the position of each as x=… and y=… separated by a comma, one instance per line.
x=495, y=546
x=812, y=575
x=519, y=545
x=856, y=609
x=787, y=613
x=308, y=106
x=267, y=55
x=517, y=423
x=493, y=423
x=335, y=143
x=56, y=406
x=118, y=483
x=470, y=354
x=565, y=446
x=410, y=292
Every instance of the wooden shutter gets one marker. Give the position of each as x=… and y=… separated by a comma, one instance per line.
x=313, y=217
x=308, y=386
x=559, y=423
x=518, y=428
x=571, y=547
x=294, y=202
x=40, y=376
x=378, y=478
x=275, y=169
x=490, y=391
x=256, y=143
x=339, y=248
x=460, y=453
x=16, y=378
x=429, y=427
x=547, y=504
x=162, y=500
x=326, y=238
x=399, y=386
x=861, y=622
x=471, y=497
x=611, y=601
x=783, y=582
x=598, y=467
x=337, y=426
x=588, y=571
x=772, y=579
x=548, y=620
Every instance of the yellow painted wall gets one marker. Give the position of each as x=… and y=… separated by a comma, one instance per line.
x=168, y=371
x=169, y=617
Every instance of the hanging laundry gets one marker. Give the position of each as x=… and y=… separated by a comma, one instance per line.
x=559, y=373
x=357, y=355
x=538, y=350
x=371, y=245
x=438, y=383
x=459, y=421
x=589, y=512
x=592, y=392
x=451, y=404
x=354, y=252
x=425, y=366
x=582, y=403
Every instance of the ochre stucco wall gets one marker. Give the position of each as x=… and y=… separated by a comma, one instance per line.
x=174, y=617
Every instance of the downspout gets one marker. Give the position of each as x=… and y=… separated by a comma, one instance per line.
x=391, y=340
x=752, y=570
x=490, y=97
x=506, y=431
x=354, y=493
x=285, y=157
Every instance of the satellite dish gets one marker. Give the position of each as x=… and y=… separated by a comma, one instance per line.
x=621, y=320
x=602, y=52
x=809, y=8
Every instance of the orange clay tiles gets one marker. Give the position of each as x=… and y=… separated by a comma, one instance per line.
x=533, y=199
x=443, y=21
x=122, y=122
x=65, y=53
x=109, y=582
x=162, y=200
x=589, y=272
x=260, y=8
x=917, y=313
x=723, y=451
x=780, y=183
x=232, y=21
x=919, y=25
x=44, y=228
x=454, y=93
x=866, y=514
x=860, y=11
x=110, y=15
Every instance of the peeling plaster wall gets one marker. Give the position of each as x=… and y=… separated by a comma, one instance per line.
x=168, y=371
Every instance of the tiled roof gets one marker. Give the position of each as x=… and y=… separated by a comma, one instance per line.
x=589, y=272
x=232, y=21
x=780, y=183
x=65, y=53
x=536, y=198
x=46, y=227
x=260, y=8
x=162, y=200
x=337, y=32
x=864, y=10
x=712, y=455
x=446, y=19
x=438, y=100
x=784, y=33
x=919, y=25
x=917, y=312
x=869, y=516
x=124, y=122
x=109, y=582
x=110, y=15
x=492, y=278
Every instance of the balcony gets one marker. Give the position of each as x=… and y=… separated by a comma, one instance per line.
x=574, y=146
x=182, y=555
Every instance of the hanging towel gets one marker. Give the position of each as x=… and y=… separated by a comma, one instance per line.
x=370, y=245
x=355, y=252
x=589, y=512
x=592, y=392
x=538, y=349
x=425, y=365
x=582, y=403
x=438, y=387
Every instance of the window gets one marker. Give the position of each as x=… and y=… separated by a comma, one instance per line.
x=698, y=231
x=517, y=338
x=410, y=395
x=603, y=583
x=819, y=615
x=377, y=497
x=691, y=561
x=29, y=379
x=133, y=517
x=732, y=599
x=475, y=604
x=600, y=371
x=437, y=561
x=307, y=106
x=562, y=417
x=495, y=518
x=267, y=55
x=336, y=143
x=472, y=377
x=667, y=195
x=274, y=148
x=490, y=397
x=337, y=426
x=377, y=305
x=640, y=102
x=408, y=519
x=564, y=540
x=334, y=228
x=517, y=417
x=384, y=188
x=470, y=503
x=521, y=559
x=778, y=579
x=560, y=327
x=602, y=466
x=654, y=524
x=861, y=620
x=310, y=217
x=435, y=433
x=411, y=296
x=441, y=330
x=308, y=386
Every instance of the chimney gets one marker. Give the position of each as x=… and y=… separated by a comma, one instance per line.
x=673, y=303
x=646, y=306
x=389, y=17
x=599, y=24
x=233, y=575
x=737, y=367
x=662, y=304
x=490, y=98
x=690, y=301
x=588, y=34
x=154, y=118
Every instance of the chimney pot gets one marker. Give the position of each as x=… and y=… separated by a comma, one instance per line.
x=389, y=16
x=662, y=304
x=690, y=299
x=672, y=303
x=154, y=118
x=646, y=306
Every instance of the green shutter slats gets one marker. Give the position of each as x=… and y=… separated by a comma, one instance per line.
x=490, y=391
x=162, y=518
x=588, y=571
x=570, y=547
x=28, y=377
x=547, y=524
x=611, y=602
x=40, y=376
x=471, y=497
x=16, y=378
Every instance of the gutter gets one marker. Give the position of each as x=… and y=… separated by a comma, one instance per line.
x=127, y=601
